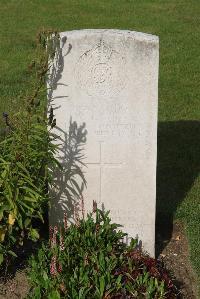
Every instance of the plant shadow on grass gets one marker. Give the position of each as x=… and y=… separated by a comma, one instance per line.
x=177, y=168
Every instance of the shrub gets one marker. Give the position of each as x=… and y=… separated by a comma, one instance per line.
x=90, y=260
x=26, y=153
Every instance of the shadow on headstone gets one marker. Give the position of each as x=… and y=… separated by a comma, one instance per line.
x=68, y=180
x=56, y=70
x=177, y=167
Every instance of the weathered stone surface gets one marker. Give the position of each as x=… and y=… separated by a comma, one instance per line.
x=109, y=80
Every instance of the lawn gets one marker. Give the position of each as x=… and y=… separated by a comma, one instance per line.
x=177, y=24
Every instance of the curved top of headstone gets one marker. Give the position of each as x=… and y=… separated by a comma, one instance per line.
x=140, y=36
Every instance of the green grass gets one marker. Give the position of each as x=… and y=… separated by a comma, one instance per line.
x=177, y=23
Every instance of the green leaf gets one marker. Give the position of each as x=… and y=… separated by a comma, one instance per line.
x=1, y=214
x=27, y=222
x=118, y=281
x=102, y=285
x=33, y=234
x=45, y=276
x=30, y=199
x=2, y=160
x=21, y=166
x=31, y=191
x=12, y=253
x=3, y=174
x=54, y=295
x=29, y=208
x=40, y=216
x=1, y=258
x=9, y=196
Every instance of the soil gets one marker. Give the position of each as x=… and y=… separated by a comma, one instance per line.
x=175, y=257
x=15, y=284
x=16, y=287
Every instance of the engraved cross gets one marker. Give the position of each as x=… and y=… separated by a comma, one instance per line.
x=103, y=165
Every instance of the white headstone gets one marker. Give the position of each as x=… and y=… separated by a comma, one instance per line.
x=109, y=80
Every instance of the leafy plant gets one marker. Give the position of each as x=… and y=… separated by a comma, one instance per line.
x=89, y=259
x=26, y=153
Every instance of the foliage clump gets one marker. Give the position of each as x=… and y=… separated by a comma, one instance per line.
x=26, y=153
x=89, y=259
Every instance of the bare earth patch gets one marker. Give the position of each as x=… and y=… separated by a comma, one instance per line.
x=16, y=287
x=175, y=256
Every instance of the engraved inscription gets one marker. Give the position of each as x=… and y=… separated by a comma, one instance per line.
x=101, y=71
x=112, y=109
x=118, y=129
